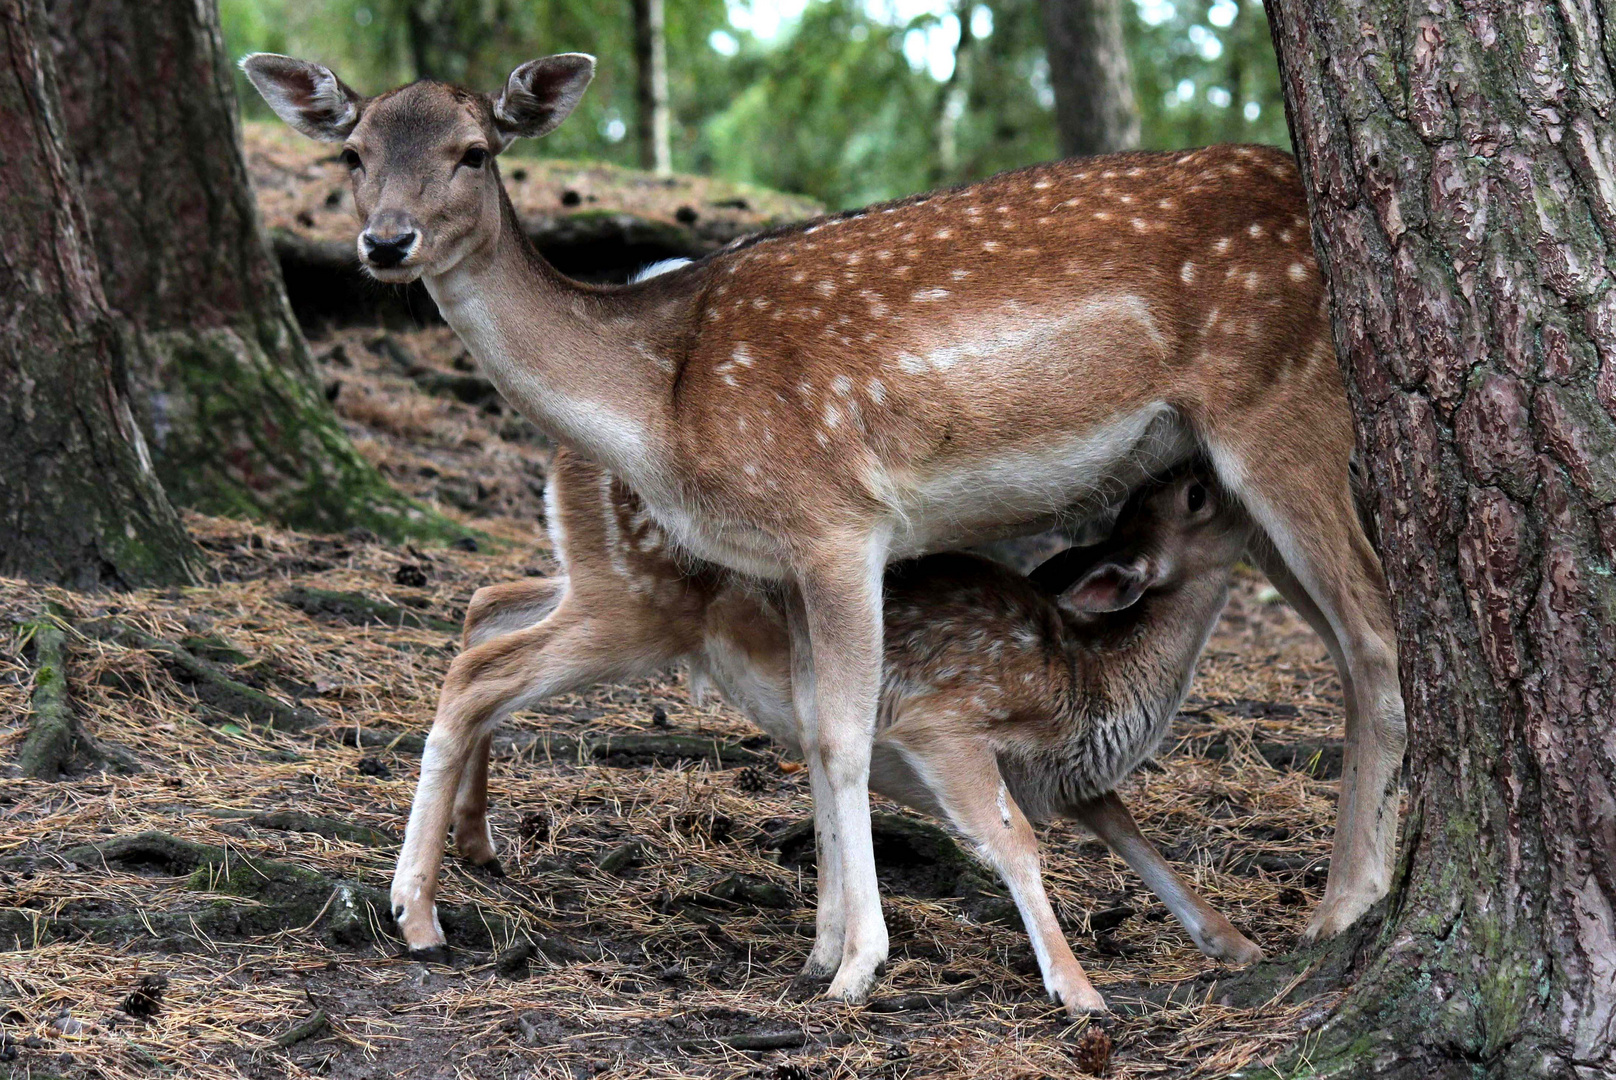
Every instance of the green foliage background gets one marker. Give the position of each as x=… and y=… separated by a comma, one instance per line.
x=829, y=106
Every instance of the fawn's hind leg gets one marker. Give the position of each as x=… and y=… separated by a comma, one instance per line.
x=569, y=650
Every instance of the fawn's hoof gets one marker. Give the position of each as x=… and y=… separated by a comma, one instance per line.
x=432, y=954
x=491, y=868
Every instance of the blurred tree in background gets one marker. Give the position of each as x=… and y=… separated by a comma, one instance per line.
x=847, y=101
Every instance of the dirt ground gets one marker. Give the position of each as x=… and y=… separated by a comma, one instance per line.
x=656, y=904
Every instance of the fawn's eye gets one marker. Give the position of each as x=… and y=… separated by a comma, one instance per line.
x=350, y=158
x=1196, y=496
x=474, y=158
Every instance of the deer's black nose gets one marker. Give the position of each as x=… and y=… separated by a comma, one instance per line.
x=388, y=250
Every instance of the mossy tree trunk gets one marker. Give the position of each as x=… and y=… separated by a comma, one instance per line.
x=221, y=378
x=1459, y=161
x=1089, y=71
x=79, y=502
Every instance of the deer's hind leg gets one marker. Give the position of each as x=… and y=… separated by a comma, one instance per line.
x=1300, y=496
x=569, y=650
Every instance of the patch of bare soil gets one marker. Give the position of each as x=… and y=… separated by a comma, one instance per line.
x=202, y=892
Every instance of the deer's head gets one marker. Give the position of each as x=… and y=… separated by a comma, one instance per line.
x=1168, y=533
x=421, y=157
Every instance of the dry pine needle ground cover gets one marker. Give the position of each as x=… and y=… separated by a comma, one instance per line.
x=202, y=892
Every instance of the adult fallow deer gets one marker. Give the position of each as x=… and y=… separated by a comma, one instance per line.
x=809, y=404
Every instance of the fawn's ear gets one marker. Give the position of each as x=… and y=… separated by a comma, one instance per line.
x=1110, y=586
x=305, y=95
x=540, y=94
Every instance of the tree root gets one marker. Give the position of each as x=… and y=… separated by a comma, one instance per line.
x=56, y=737
x=622, y=750
x=210, y=682
x=360, y=610
x=330, y=828
x=277, y=897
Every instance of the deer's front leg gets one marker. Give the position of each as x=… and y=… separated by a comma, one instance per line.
x=838, y=632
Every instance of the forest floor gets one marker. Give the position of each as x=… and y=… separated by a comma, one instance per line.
x=231, y=853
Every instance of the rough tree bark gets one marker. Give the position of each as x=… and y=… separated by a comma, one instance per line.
x=79, y=502
x=1093, y=81
x=651, y=86
x=1459, y=160
x=220, y=375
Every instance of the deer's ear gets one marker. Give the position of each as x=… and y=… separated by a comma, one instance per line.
x=540, y=94
x=1110, y=586
x=305, y=95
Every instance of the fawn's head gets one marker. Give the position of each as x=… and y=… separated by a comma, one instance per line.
x=421, y=157
x=1168, y=533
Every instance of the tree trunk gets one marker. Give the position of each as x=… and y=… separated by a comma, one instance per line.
x=1093, y=81
x=1459, y=164
x=651, y=86
x=79, y=502
x=220, y=375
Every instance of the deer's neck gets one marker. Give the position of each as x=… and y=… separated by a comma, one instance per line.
x=1143, y=656
x=592, y=367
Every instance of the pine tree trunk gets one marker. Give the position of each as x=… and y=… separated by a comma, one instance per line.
x=651, y=86
x=79, y=502
x=220, y=375
x=1459, y=165
x=1093, y=81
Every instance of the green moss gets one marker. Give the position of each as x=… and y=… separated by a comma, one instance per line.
x=237, y=427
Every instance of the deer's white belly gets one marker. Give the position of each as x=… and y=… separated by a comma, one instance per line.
x=1030, y=487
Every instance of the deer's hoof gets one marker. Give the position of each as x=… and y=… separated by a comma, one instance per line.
x=432, y=954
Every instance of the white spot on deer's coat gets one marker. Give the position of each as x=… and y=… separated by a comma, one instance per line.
x=1256, y=230
x=991, y=245
x=959, y=275
x=1221, y=246
x=1297, y=272
x=825, y=288
x=942, y=234
x=842, y=385
x=1139, y=225
x=1251, y=281
x=1042, y=185
x=923, y=295
x=910, y=363
x=742, y=355
x=877, y=391
x=1186, y=273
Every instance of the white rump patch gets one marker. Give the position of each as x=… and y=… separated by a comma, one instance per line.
x=657, y=269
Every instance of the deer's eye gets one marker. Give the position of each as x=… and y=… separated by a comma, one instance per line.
x=1196, y=497
x=474, y=158
x=350, y=158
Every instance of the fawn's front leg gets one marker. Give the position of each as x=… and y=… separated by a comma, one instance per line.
x=1213, y=934
x=963, y=777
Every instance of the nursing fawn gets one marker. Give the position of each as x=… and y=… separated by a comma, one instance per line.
x=1003, y=698
x=810, y=404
